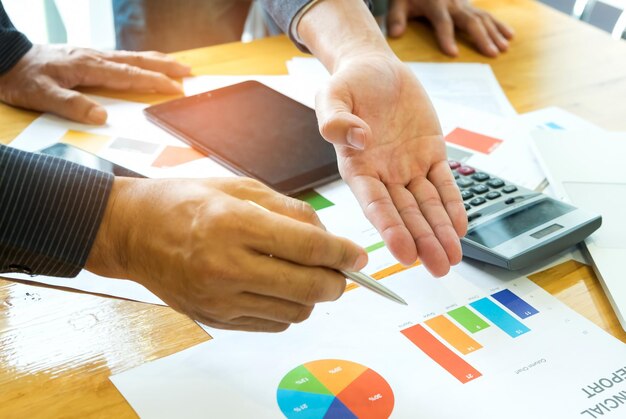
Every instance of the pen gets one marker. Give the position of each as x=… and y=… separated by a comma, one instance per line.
x=360, y=278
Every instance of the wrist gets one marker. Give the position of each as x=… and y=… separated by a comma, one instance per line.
x=109, y=254
x=337, y=31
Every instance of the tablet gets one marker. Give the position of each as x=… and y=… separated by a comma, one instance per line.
x=254, y=131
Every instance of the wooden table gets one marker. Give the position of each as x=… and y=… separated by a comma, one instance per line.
x=59, y=348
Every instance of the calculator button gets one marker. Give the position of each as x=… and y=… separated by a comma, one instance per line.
x=495, y=183
x=477, y=201
x=466, y=195
x=464, y=183
x=509, y=189
x=465, y=170
x=473, y=216
x=479, y=189
x=456, y=175
x=454, y=164
x=480, y=176
x=510, y=201
x=467, y=207
x=493, y=195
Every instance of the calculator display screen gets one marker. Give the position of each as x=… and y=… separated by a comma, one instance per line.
x=498, y=231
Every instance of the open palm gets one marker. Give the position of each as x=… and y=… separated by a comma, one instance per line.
x=392, y=155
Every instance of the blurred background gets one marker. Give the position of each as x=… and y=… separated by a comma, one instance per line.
x=90, y=23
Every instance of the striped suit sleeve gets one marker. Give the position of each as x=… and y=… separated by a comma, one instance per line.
x=13, y=44
x=50, y=211
x=285, y=11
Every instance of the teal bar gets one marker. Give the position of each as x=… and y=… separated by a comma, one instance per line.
x=493, y=312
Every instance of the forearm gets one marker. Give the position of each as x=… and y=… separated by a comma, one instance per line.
x=337, y=30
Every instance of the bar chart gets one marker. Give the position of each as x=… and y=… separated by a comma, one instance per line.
x=447, y=338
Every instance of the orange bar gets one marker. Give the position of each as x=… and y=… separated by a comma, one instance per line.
x=453, y=335
x=441, y=354
x=384, y=273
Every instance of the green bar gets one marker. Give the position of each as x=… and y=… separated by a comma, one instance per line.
x=317, y=201
x=375, y=246
x=468, y=319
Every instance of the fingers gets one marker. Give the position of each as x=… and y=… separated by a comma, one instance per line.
x=490, y=36
x=494, y=32
x=337, y=123
x=439, y=225
x=439, y=17
x=380, y=210
x=441, y=177
x=149, y=60
x=397, y=17
x=297, y=284
x=118, y=76
x=304, y=244
x=70, y=104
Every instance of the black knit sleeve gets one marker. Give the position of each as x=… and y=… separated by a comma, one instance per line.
x=50, y=211
x=13, y=44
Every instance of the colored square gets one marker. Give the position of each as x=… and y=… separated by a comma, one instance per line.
x=473, y=140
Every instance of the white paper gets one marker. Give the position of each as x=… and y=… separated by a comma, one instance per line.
x=554, y=118
x=550, y=366
x=468, y=84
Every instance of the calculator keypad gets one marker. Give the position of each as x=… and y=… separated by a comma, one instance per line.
x=480, y=189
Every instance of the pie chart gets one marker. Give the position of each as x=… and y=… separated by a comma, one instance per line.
x=334, y=388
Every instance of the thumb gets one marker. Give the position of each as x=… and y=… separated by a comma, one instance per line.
x=73, y=105
x=397, y=18
x=337, y=123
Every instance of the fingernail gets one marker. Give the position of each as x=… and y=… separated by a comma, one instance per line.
x=360, y=262
x=97, y=116
x=356, y=138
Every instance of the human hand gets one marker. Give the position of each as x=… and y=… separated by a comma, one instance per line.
x=392, y=155
x=205, y=250
x=489, y=35
x=42, y=80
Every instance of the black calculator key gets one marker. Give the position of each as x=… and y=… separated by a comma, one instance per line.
x=473, y=216
x=480, y=176
x=456, y=175
x=464, y=182
x=467, y=207
x=493, y=195
x=477, y=201
x=495, y=183
x=466, y=195
x=509, y=189
x=479, y=189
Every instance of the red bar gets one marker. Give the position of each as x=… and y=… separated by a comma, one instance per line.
x=473, y=140
x=441, y=354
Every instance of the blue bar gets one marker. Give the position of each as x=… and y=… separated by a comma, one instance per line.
x=499, y=317
x=515, y=304
x=553, y=125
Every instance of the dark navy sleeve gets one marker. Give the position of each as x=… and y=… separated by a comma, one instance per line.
x=13, y=44
x=50, y=212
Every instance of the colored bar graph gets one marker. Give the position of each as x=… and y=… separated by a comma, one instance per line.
x=449, y=332
x=374, y=246
x=514, y=303
x=468, y=319
x=317, y=201
x=499, y=317
x=394, y=269
x=173, y=156
x=473, y=140
x=441, y=354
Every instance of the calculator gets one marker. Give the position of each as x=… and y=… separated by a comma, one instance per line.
x=511, y=226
